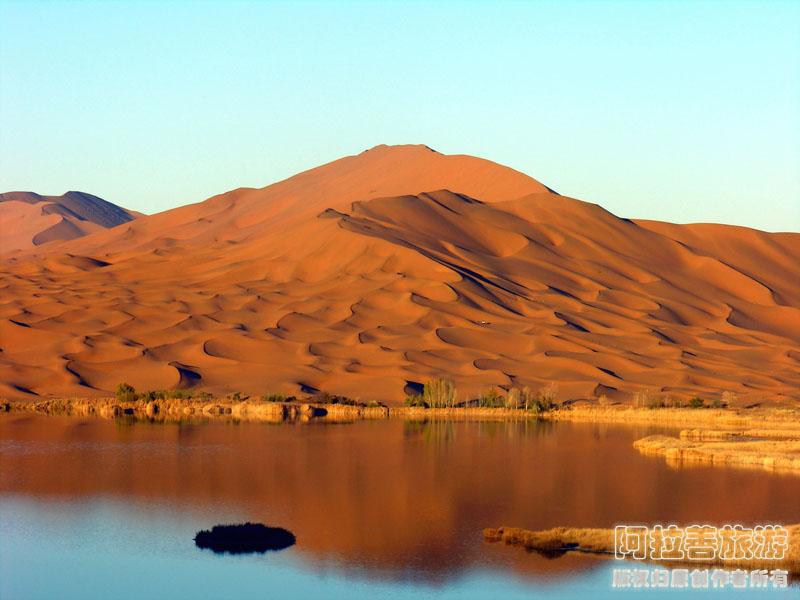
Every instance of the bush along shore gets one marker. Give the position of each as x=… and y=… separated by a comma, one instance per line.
x=438, y=399
x=695, y=447
x=249, y=409
x=733, y=437
x=560, y=540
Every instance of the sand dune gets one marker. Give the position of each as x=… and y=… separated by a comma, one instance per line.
x=28, y=219
x=378, y=271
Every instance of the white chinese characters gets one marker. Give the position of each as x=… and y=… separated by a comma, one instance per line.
x=702, y=543
x=699, y=578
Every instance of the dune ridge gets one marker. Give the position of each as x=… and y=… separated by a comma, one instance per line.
x=376, y=272
x=28, y=219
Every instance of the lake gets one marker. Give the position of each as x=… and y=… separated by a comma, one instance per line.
x=93, y=508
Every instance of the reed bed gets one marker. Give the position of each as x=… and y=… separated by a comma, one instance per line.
x=555, y=541
x=559, y=540
x=770, y=454
x=718, y=418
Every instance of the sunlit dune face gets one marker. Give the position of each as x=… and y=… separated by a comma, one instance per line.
x=400, y=265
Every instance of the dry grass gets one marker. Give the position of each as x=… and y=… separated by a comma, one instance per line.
x=769, y=454
x=763, y=438
x=717, y=418
x=718, y=424
x=560, y=540
x=789, y=432
x=555, y=541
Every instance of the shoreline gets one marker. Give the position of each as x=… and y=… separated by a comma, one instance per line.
x=561, y=540
x=746, y=452
x=249, y=410
x=763, y=438
x=696, y=424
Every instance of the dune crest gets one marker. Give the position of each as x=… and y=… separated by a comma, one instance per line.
x=28, y=219
x=378, y=271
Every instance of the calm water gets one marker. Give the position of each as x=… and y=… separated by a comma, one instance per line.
x=101, y=509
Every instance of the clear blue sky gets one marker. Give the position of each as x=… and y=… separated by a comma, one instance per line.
x=681, y=111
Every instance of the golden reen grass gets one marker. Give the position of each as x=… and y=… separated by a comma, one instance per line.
x=774, y=454
x=601, y=541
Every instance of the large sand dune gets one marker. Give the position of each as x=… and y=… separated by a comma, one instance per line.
x=378, y=271
x=28, y=219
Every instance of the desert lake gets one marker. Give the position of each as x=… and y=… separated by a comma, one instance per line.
x=96, y=508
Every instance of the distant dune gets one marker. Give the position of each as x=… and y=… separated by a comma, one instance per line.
x=28, y=219
x=378, y=271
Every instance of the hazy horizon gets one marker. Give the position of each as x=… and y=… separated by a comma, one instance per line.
x=668, y=111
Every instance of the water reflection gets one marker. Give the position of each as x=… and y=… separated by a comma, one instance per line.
x=387, y=499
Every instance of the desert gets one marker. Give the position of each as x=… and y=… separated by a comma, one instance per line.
x=28, y=219
x=409, y=297
x=368, y=276
x=360, y=299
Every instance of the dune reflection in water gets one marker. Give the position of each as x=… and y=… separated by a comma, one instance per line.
x=388, y=499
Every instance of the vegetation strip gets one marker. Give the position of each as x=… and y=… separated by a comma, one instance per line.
x=758, y=437
x=557, y=541
x=747, y=452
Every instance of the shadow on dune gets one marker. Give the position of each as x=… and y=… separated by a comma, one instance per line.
x=244, y=539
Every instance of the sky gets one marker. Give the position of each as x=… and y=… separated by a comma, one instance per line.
x=677, y=111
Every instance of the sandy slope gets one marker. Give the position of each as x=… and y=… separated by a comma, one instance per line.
x=28, y=219
x=366, y=275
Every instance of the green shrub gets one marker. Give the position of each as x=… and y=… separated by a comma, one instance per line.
x=325, y=398
x=328, y=398
x=125, y=393
x=168, y=394
x=697, y=402
x=415, y=400
x=491, y=399
x=273, y=398
x=545, y=399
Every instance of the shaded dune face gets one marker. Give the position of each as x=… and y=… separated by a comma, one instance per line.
x=395, y=266
x=28, y=219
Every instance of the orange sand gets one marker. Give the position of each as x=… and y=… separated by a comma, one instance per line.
x=28, y=219
x=398, y=265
